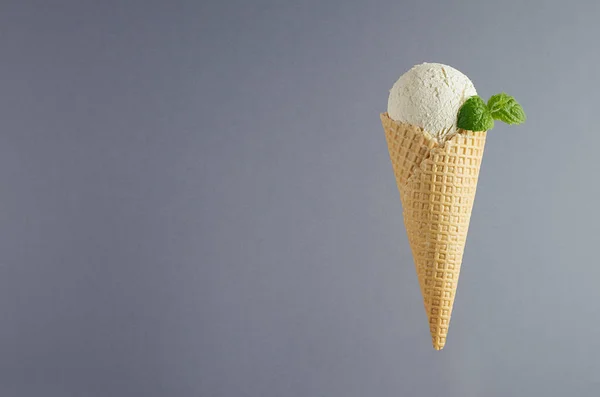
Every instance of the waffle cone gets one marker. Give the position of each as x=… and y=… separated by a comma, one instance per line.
x=437, y=184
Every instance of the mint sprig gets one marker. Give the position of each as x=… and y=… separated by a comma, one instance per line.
x=475, y=115
x=506, y=108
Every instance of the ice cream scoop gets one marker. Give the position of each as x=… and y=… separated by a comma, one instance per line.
x=429, y=96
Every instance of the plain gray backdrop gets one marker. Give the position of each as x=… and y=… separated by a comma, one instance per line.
x=197, y=201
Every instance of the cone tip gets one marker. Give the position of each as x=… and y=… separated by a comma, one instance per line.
x=437, y=342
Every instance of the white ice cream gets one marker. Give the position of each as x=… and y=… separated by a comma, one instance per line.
x=429, y=96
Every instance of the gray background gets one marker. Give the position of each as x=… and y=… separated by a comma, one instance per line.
x=197, y=200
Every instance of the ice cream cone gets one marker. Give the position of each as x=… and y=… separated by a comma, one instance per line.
x=437, y=184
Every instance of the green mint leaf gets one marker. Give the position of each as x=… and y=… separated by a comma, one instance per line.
x=474, y=115
x=505, y=108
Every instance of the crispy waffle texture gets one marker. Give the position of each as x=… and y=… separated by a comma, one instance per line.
x=437, y=184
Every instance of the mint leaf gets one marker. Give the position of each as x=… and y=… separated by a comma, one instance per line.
x=505, y=108
x=474, y=115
